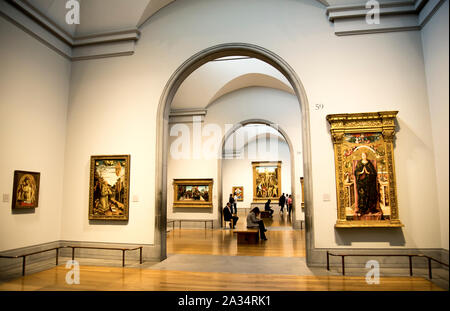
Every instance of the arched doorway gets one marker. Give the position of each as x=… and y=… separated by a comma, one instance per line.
x=162, y=133
x=240, y=125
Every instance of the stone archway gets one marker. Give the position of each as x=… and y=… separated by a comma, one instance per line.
x=162, y=130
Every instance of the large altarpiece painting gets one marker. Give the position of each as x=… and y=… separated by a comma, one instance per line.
x=365, y=171
x=266, y=181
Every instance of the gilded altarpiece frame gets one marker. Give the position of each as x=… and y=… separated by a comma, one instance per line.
x=266, y=181
x=365, y=171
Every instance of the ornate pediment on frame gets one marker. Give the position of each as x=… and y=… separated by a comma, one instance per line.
x=365, y=171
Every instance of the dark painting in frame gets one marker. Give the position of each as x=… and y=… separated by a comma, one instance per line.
x=26, y=190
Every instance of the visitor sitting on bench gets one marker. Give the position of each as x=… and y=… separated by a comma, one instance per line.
x=254, y=222
x=267, y=207
x=228, y=216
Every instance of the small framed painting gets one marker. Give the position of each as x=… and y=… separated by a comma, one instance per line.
x=109, y=187
x=25, y=189
x=193, y=193
x=239, y=193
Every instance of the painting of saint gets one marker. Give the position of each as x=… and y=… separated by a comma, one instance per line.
x=366, y=186
x=365, y=170
x=26, y=189
x=109, y=187
x=363, y=177
x=238, y=192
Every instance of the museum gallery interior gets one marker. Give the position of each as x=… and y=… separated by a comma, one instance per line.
x=178, y=145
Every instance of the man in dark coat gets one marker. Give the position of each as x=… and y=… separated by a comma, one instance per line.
x=267, y=208
x=281, y=202
x=228, y=216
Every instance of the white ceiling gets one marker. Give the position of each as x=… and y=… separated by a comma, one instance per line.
x=99, y=16
x=218, y=78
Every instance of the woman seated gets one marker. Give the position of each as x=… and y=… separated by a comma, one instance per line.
x=254, y=222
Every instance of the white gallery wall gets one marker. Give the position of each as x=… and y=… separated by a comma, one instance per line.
x=113, y=106
x=435, y=49
x=34, y=88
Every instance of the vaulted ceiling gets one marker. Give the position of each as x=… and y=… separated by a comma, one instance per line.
x=223, y=76
x=237, y=142
x=98, y=16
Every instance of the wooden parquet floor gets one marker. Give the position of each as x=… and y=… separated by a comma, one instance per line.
x=135, y=279
x=282, y=242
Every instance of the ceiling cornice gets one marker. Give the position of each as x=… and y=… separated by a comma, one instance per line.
x=98, y=45
x=394, y=16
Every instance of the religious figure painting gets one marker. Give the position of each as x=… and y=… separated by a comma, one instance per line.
x=239, y=193
x=25, y=189
x=365, y=174
x=109, y=187
x=192, y=193
x=266, y=181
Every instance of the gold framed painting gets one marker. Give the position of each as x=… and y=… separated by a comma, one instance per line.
x=238, y=191
x=266, y=181
x=365, y=171
x=195, y=193
x=25, y=190
x=109, y=187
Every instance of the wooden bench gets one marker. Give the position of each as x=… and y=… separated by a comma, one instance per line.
x=265, y=214
x=248, y=236
x=191, y=220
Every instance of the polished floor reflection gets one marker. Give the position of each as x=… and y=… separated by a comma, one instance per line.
x=125, y=279
x=282, y=240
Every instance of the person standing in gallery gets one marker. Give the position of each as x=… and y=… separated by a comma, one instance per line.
x=289, y=205
x=235, y=203
x=254, y=222
x=231, y=201
x=281, y=202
